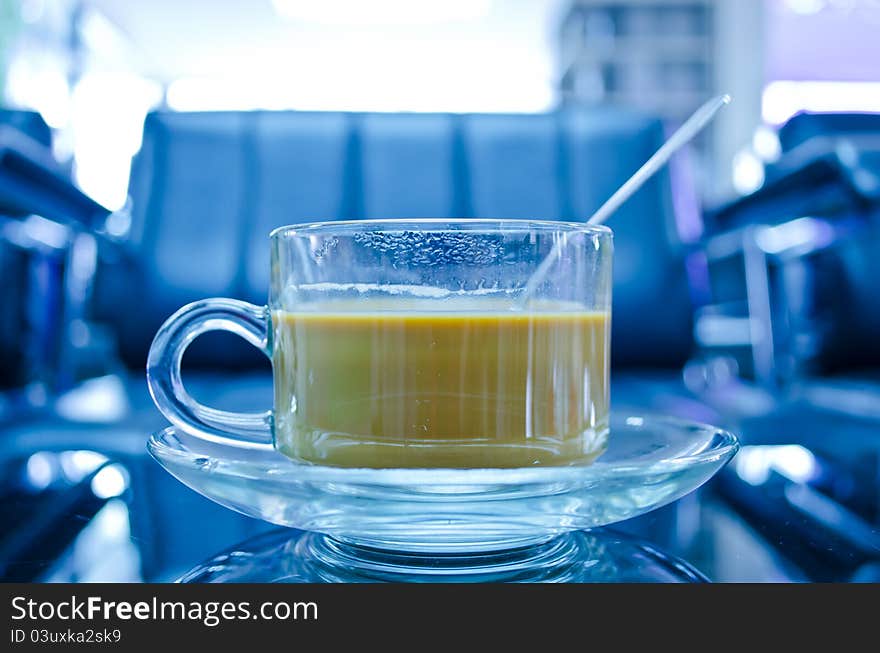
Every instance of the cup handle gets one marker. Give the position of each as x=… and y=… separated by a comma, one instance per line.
x=250, y=430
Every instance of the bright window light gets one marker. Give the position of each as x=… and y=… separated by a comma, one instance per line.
x=381, y=12
x=805, y=7
x=349, y=94
x=40, y=85
x=753, y=464
x=748, y=172
x=111, y=481
x=765, y=143
x=366, y=60
x=76, y=465
x=32, y=10
x=40, y=469
x=803, y=232
x=783, y=99
x=100, y=400
x=107, y=119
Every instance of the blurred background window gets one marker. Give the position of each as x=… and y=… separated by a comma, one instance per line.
x=94, y=68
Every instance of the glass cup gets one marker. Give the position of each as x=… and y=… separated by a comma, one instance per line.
x=416, y=344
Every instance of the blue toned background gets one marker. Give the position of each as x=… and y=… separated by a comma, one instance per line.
x=147, y=149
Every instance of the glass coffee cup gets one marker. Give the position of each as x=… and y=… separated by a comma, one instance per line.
x=416, y=344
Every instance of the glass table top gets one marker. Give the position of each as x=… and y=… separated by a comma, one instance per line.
x=83, y=501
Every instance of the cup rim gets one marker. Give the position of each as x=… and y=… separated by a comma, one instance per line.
x=394, y=224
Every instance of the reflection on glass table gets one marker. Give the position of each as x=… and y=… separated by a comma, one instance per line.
x=157, y=529
x=291, y=556
x=64, y=517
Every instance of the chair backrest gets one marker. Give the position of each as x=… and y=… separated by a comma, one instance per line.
x=27, y=122
x=208, y=187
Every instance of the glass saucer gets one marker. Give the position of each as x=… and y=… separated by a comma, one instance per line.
x=292, y=556
x=650, y=461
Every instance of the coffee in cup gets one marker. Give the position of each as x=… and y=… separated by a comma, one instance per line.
x=407, y=343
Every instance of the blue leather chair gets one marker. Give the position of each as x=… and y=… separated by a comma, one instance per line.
x=208, y=187
x=27, y=122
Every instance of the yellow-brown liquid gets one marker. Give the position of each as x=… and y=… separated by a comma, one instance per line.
x=386, y=384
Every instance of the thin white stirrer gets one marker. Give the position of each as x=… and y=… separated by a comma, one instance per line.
x=691, y=127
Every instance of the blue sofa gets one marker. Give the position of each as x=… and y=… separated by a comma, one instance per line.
x=207, y=188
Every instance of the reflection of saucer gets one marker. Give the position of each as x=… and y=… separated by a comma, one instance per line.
x=291, y=556
x=650, y=461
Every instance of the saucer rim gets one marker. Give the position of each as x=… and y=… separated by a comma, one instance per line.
x=720, y=444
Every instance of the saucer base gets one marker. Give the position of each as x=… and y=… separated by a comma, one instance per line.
x=292, y=556
x=437, y=513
